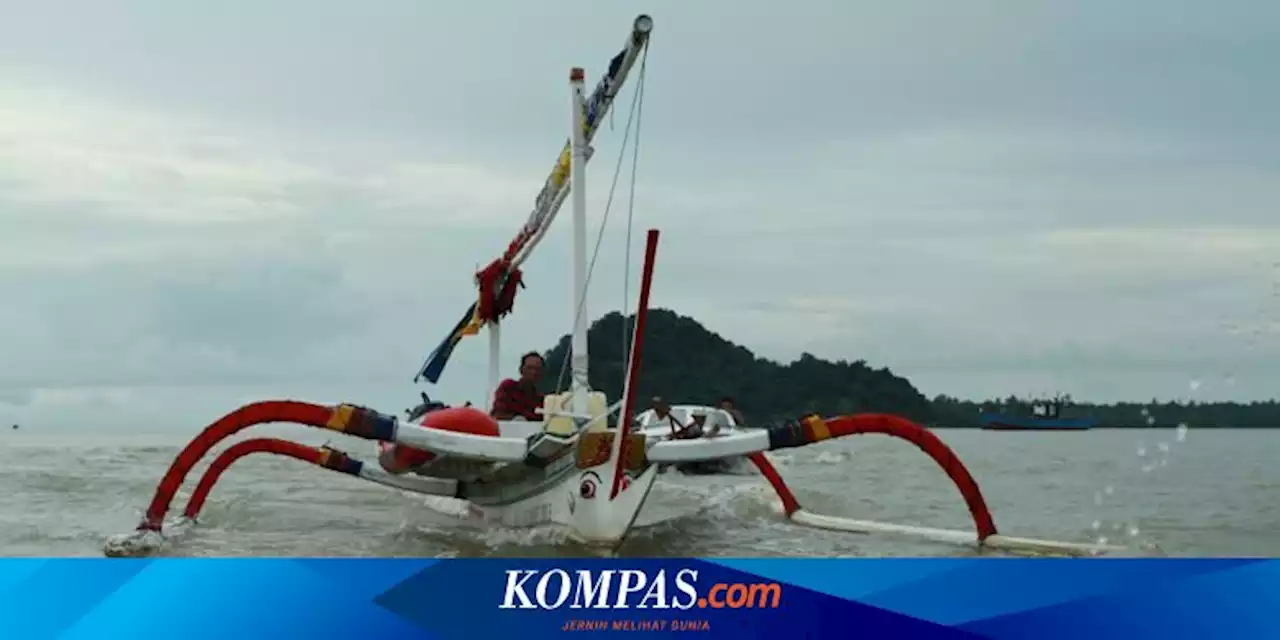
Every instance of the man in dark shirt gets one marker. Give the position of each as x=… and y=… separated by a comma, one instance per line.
x=729, y=406
x=520, y=398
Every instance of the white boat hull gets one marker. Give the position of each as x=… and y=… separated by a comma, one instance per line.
x=569, y=491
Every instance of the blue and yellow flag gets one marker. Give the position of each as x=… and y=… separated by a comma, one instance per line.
x=469, y=325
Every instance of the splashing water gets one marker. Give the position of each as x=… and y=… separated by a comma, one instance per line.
x=832, y=457
x=1132, y=530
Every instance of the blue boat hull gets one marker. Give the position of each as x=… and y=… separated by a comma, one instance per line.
x=999, y=422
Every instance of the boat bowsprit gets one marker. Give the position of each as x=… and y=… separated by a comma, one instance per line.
x=571, y=468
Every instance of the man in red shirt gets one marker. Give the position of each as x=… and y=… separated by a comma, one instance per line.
x=516, y=399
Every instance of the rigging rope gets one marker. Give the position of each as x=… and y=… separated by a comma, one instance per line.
x=631, y=117
x=631, y=211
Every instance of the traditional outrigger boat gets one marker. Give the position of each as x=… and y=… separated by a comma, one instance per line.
x=717, y=423
x=571, y=468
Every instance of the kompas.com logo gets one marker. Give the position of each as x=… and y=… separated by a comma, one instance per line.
x=631, y=588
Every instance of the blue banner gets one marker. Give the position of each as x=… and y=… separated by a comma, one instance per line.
x=509, y=598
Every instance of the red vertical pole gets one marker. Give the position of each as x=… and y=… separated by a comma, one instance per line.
x=637, y=348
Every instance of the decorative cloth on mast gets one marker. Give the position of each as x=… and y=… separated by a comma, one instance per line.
x=498, y=283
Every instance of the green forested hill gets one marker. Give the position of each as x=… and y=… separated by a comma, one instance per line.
x=687, y=363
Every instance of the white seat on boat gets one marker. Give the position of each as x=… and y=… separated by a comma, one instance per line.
x=562, y=425
x=519, y=428
x=726, y=419
x=681, y=414
x=712, y=424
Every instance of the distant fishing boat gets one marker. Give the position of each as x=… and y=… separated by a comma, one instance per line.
x=1045, y=416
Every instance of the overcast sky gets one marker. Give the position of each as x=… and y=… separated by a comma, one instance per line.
x=204, y=203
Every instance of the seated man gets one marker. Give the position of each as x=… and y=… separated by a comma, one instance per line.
x=662, y=411
x=692, y=430
x=520, y=399
x=729, y=406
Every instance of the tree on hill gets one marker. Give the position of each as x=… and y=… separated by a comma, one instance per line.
x=685, y=362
